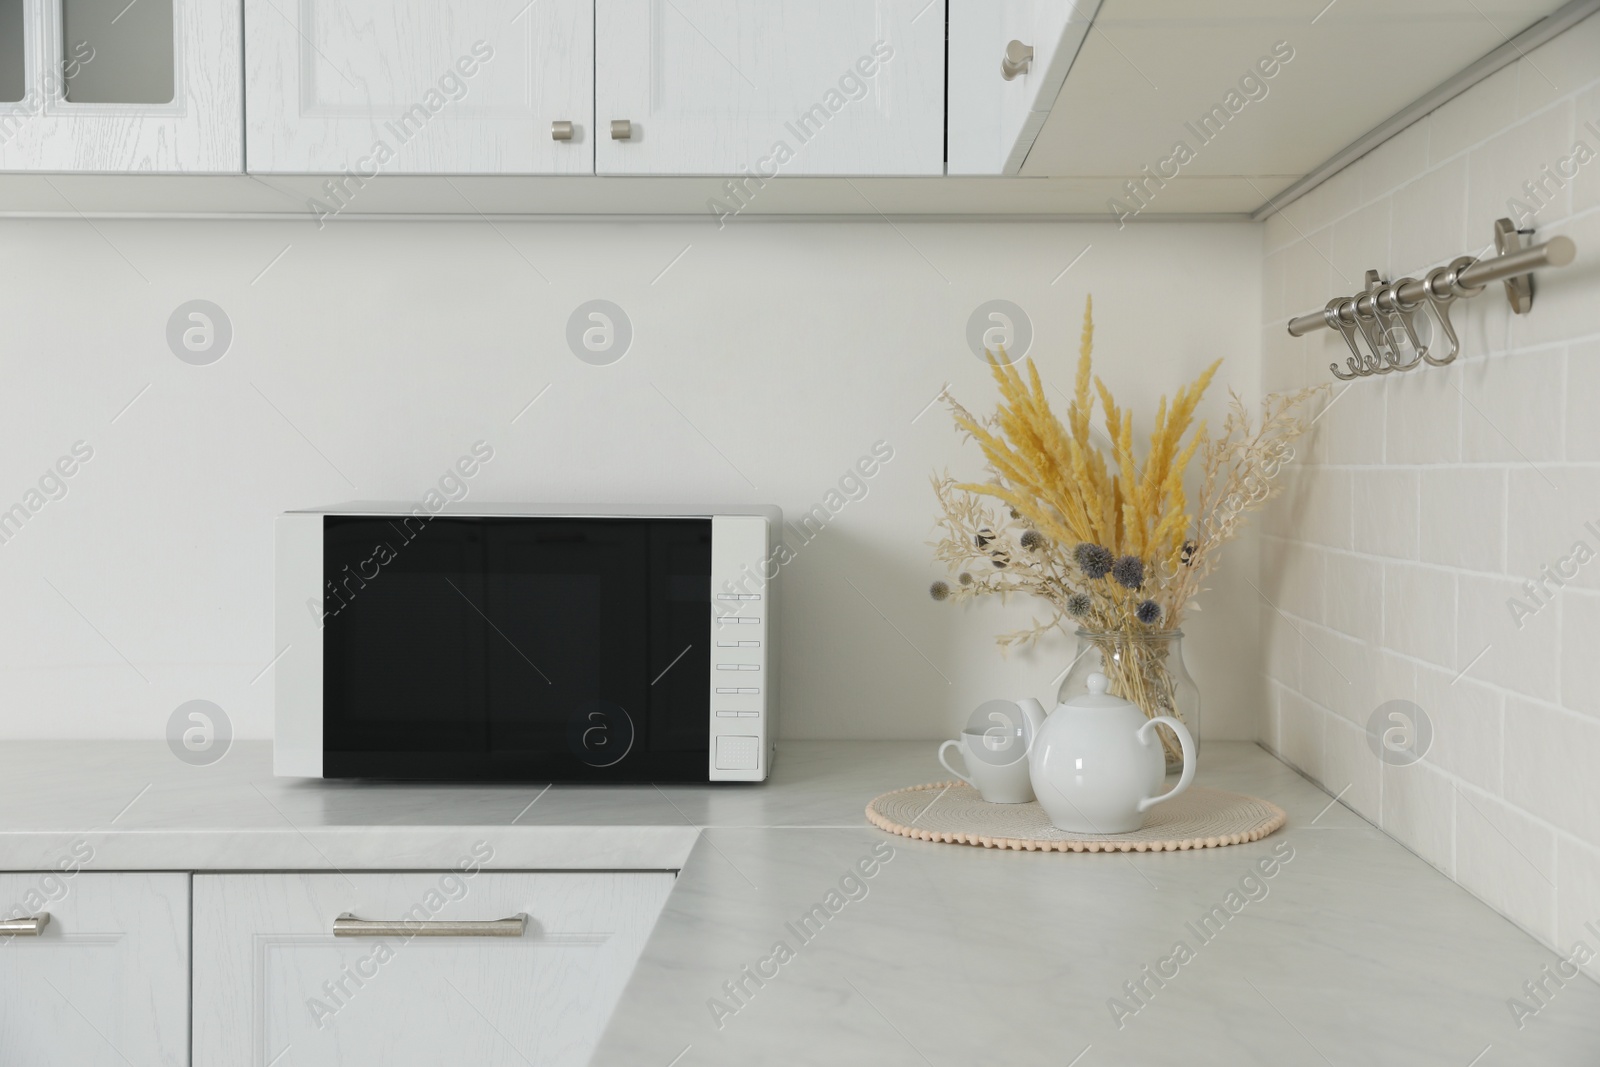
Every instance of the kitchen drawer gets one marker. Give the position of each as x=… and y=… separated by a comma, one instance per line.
x=270, y=975
x=106, y=980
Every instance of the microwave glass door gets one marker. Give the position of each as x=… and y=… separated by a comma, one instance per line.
x=516, y=648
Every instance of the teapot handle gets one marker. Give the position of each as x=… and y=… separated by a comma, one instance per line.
x=1146, y=733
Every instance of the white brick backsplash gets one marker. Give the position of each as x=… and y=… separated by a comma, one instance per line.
x=1497, y=169
x=1583, y=400
x=1580, y=655
x=1351, y=430
x=1360, y=241
x=1463, y=513
x=1348, y=761
x=1551, y=756
x=1327, y=517
x=1386, y=512
x=1558, y=514
x=1419, y=613
x=1578, y=899
x=1442, y=491
x=1394, y=162
x=1585, y=190
x=1280, y=648
x=1467, y=726
x=1300, y=733
x=1483, y=110
x=1308, y=272
x=1417, y=811
x=1564, y=65
x=1508, y=860
x=1499, y=424
x=1491, y=647
x=1354, y=592
x=1423, y=421
x=1429, y=220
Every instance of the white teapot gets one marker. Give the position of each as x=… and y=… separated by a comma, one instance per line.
x=1097, y=765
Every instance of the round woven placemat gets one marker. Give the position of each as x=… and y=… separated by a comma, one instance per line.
x=954, y=813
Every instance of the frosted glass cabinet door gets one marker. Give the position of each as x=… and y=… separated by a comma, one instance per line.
x=769, y=87
x=419, y=86
x=271, y=980
x=106, y=981
x=98, y=86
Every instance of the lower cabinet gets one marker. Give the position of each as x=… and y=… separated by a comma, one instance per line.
x=422, y=968
x=95, y=970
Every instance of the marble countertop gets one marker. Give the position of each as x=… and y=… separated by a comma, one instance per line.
x=1353, y=950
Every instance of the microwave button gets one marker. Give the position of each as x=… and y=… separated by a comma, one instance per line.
x=738, y=596
x=738, y=620
x=738, y=644
x=746, y=714
x=729, y=714
x=747, y=689
x=738, y=752
x=738, y=667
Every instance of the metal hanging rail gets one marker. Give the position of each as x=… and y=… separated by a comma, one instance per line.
x=1385, y=314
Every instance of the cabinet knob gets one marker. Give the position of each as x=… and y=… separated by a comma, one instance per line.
x=621, y=130
x=561, y=131
x=1017, y=60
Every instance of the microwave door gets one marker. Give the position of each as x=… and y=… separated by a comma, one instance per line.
x=405, y=678
x=567, y=672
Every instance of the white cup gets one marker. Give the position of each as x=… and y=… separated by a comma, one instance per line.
x=999, y=774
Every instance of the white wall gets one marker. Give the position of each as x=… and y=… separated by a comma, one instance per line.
x=1431, y=497
x=766, y=360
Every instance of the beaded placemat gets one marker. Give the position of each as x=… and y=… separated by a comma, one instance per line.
x=954, y=813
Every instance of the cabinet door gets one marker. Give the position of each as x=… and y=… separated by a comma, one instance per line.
x=994, y=120
x=271, y=977
x=419, y=87
x=101, y=86
x=105, y=982
x=769, y=87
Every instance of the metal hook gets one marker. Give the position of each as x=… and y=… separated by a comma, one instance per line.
x=1441, y=287
x=1366, y=316
x=1387, y=302
x=1336, y=321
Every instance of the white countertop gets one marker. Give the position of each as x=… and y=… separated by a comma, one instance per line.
x=1357, y=953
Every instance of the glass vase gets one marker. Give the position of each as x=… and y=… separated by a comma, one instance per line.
x=1146, y=669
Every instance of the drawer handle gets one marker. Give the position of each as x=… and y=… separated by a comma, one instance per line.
x=621, y=130
x=29, y=927
x=561, y=131
x=348, y=925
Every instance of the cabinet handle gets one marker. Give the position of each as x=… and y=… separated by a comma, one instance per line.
x=348, y=925
x=1017, y=60
x=561, y=131
x=32, y=926
x=621, y=130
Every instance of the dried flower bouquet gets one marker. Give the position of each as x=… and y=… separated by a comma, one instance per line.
x=1113, y=546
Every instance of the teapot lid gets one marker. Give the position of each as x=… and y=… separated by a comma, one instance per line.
x=1098, y=697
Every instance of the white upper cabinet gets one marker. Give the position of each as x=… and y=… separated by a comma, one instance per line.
x=419, y=86
x=999, y=99
x=764, y=88
x=107, y=86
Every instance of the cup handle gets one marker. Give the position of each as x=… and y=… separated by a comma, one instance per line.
x=1146, y=733
x=946, y=764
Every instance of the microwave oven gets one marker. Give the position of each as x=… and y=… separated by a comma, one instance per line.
x=531, y=643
